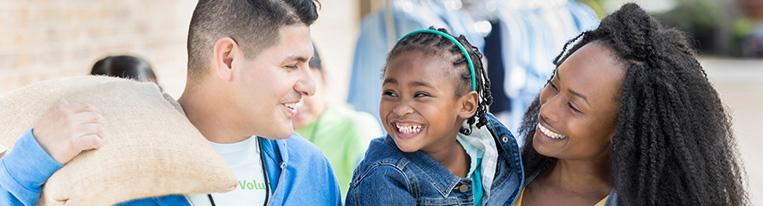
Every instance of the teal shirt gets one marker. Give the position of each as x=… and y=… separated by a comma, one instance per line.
x=475, y=169
x=477, y=184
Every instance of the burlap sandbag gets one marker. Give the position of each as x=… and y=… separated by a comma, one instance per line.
x=150, y=148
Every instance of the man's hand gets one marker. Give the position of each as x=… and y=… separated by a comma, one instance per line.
x=68, y=129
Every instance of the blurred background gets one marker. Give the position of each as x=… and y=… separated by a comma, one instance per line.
x=49, y=39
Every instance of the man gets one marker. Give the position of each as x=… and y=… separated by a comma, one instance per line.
x=247, y=71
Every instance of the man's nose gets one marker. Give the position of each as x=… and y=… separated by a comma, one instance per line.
x=306, y=84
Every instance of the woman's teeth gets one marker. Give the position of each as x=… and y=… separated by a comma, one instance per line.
x=408, y=128
x=550, y=133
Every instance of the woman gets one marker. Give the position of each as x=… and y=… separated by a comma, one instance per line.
x=629, y=118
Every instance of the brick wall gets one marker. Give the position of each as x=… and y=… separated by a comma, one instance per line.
x=50, y=39
x=57, y=38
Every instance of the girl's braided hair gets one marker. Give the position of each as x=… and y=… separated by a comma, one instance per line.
x=438, y=45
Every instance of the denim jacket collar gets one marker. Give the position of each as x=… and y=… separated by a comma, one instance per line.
x=506, y=140
x=510, y=148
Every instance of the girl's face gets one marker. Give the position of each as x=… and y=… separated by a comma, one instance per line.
x=420, y=108
x=579, y=106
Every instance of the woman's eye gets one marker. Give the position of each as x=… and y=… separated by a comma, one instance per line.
x=292, y=67
x=553, y=86
x=573, y=108
x=421, y=94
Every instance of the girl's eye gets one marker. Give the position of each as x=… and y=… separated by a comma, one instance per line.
x=421, y=94
x=292, y=67
x=389, y=93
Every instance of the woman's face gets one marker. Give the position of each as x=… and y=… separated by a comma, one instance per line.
x=579, y=106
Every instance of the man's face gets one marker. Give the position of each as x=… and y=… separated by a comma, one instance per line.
x=269, y=87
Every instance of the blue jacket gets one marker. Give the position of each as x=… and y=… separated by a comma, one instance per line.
x=388, y=176
x=299, y=174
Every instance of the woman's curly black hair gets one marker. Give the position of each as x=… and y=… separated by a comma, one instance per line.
x=673, y=143
x=439, y=45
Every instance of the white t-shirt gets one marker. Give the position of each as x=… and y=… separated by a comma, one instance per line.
x=244, y=158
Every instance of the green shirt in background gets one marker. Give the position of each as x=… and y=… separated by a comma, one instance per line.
x=343, y=135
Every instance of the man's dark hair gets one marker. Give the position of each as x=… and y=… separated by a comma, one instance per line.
x=253, y=24
x=673, y=143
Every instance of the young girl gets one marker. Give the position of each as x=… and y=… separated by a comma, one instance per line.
x=442, y=147
x=629, y=118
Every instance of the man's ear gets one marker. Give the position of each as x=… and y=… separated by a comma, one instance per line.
x=224, y=50
x=469, y=103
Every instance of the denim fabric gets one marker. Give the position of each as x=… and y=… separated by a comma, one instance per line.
x=388, y=176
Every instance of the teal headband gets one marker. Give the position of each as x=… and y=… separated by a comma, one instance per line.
x=458, y=44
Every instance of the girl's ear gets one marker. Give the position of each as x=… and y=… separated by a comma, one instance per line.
x=469, y=103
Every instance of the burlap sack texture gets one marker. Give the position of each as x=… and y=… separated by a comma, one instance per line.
x=150, y=148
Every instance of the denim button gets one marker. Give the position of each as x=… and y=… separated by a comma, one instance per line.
x=505, y=139
x=464, y=188
x=283, y=165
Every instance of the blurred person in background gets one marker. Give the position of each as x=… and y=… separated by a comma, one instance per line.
x=125, y=66
x=341, y=133
x=752, y=45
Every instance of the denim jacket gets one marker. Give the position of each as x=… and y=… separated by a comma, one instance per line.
x=388, y=176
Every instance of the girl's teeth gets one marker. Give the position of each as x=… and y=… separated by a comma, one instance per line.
x=408, y=129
